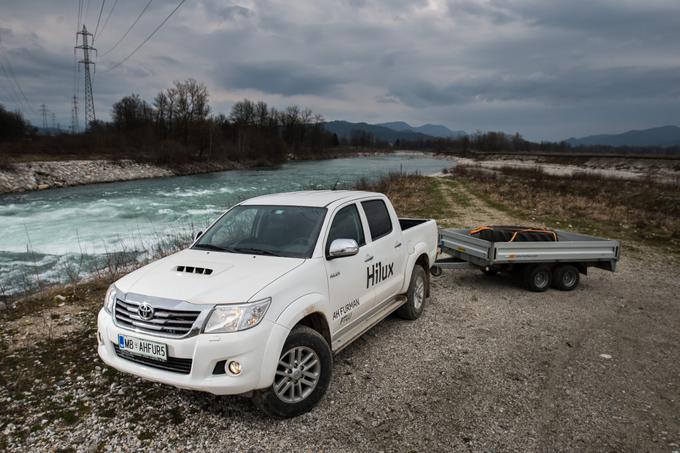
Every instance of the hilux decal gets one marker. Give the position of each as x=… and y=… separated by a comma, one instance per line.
x=378, y=272
x=345, y=309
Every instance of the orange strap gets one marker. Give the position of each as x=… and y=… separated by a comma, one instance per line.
x=534, y=231
x=479, y=229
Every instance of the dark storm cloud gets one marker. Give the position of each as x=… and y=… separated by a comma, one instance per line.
x=286, y=78
x=550, y=69
x=572, y=86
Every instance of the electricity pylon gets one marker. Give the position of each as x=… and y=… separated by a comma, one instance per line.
x=86, y=62
x=43, y=112
x=74, y=116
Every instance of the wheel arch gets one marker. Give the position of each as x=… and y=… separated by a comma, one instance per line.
x=420, y=258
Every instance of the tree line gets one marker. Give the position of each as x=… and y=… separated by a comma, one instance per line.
x=178, y=126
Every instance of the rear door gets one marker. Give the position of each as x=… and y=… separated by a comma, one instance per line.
x=349, y=297
x=385, y=264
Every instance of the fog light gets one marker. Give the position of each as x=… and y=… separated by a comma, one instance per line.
x=235, y=367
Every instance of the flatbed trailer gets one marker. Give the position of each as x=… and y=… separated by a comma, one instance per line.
x=540, y=264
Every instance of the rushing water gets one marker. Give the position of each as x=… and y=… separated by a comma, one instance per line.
x=58, y=235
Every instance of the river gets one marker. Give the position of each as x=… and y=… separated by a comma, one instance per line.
x=61, y=235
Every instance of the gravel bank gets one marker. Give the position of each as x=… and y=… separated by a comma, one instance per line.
x=25, y=176
x=622, y=168
x=488, y=367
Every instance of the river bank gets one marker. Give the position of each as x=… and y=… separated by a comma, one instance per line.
x=50, y=174
x=41, y=175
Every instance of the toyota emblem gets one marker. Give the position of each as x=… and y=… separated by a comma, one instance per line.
x=145, y=311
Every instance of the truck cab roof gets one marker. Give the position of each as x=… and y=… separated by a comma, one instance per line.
x=312, y=198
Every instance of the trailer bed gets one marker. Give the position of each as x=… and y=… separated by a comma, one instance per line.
x=570, y=248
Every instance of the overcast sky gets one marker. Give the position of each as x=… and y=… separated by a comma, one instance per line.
x=549, y=69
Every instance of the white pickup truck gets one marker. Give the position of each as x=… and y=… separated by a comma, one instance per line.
x=259, y=303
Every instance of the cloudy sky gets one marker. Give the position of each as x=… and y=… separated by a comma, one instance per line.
x=549, y=69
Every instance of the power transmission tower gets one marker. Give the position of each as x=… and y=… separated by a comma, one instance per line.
x=54, y=120
x=74, y=116
x=43, y=112
x=86, y=62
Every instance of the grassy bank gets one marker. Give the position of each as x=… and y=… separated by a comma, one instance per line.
x=644, y=211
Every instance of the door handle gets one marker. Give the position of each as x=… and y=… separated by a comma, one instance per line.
x=368, y=258
x=397, y=245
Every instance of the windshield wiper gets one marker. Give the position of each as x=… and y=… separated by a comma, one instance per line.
x=255, y=251
x=216, y=248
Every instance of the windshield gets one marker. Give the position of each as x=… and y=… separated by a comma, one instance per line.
x=289, y=231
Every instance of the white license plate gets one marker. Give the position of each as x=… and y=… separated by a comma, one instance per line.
x=146, y=348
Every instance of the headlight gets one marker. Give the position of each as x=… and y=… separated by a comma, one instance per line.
x=110, y=298
x=232, y=318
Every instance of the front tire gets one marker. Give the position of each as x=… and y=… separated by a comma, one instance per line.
x=416, y=295
x=302, y=377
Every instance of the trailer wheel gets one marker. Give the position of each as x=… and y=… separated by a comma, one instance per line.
x=537, y=277
x=566, y=277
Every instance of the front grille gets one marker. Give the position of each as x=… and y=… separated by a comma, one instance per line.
x=173, y=364
x=164, y=321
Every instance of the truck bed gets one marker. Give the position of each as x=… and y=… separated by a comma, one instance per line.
x=570, y=248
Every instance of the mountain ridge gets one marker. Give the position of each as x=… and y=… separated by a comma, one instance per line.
x=662, y=136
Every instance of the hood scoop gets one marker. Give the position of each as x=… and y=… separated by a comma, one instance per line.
x=194, y=270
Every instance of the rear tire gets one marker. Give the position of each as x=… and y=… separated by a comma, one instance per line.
x=537, y=277
x=303, y=375
x=416, y=295
x=566, y=277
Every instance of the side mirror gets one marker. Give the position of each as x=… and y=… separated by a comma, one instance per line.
x=198, y=235
x=343, y=247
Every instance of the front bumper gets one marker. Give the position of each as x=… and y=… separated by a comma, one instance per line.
x=257, y=350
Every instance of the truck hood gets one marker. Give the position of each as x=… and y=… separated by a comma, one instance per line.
x=202, y=277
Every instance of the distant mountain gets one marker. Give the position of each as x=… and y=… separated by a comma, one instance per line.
x=656, y=136
x=433, y=130
x=344, y=129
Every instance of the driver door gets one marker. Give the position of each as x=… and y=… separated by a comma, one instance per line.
x=348, y=295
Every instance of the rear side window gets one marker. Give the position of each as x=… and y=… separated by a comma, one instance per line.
x=346, y=225
x=379, y=221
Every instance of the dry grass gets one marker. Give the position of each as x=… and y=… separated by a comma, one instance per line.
x=640, y=210
x=412, y=195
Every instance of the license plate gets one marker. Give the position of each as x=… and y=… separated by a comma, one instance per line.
x=146, y=348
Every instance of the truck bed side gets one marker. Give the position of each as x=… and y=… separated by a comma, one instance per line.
x=419, y=236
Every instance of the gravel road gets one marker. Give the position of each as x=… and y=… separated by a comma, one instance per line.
x=489, y=366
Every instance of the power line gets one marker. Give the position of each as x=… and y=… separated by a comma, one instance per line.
x=12, y=95
x=9, y=73
x=128, y=30
x=148, y=37
x=101, y=10
x=108, y=16
x=87, y=7
x=80, y=14
x=13, y=76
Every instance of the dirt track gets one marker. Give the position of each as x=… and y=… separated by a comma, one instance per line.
x=489, y=366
